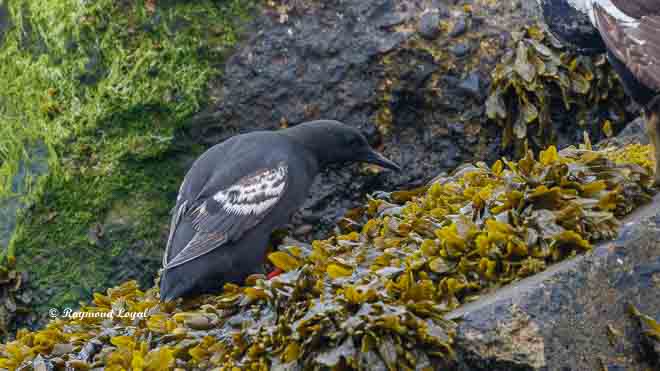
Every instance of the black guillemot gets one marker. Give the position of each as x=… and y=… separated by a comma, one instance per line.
x=239, y=191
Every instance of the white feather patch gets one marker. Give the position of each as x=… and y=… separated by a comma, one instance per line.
x=254, y=194
x=180, y=194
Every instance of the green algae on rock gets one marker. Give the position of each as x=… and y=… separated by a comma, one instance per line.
x=375, y=296
x=105, y=85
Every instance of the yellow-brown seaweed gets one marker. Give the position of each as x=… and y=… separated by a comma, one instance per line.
x=376, y=295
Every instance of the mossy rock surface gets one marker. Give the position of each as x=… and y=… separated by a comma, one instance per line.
x=101, y=89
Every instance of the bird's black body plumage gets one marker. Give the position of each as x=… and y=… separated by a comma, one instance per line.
x=238, y=192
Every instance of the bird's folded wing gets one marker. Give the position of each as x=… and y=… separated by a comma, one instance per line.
x=179, y=210
x=229, y=213
x=636, y=43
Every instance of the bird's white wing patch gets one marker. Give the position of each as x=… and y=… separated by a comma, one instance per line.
x=254, y=194
x=230, y=212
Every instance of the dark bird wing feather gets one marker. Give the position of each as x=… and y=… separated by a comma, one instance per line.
x=227, y=214
x=636, y=45
x=179, y=211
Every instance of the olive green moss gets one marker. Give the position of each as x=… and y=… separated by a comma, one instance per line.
x=106, y=85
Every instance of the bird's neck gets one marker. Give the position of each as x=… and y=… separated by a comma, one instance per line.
x=313, y=162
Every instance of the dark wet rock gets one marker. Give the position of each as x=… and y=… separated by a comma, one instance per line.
x=460, y=49
x=441, y=8
x=429, y=25
x=390, y=20
x=471, y=85
x=573, y=316
x=364, y=62
x=460, y=26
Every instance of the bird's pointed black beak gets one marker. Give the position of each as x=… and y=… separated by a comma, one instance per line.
x=376, y=158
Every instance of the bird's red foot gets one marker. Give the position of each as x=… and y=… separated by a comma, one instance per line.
x=274, y=273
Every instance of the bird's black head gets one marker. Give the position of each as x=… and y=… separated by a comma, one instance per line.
x=334, y=142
